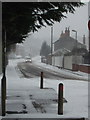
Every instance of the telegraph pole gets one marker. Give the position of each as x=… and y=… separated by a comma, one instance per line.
x=3, y=65
x=76, y=53
x=51, y=43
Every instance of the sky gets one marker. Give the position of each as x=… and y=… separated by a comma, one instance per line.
x=77, y=21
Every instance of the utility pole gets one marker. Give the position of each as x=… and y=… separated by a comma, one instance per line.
x=76, y=46
x=3, y=80
x=3, y=65
x=51, y=43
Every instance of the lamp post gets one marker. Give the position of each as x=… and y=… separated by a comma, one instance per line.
x=76, y=33
x=76, y=50
x=75, y=37
x=51, y=43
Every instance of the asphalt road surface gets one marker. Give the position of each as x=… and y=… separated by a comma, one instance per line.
x=31, y=70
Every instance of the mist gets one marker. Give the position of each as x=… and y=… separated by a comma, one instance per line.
x=77, y=21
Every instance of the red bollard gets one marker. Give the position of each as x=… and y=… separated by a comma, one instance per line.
x=60, y=99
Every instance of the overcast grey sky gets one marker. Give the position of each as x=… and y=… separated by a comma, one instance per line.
x=77, y=21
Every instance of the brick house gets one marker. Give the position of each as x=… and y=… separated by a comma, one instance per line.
x=62, y=56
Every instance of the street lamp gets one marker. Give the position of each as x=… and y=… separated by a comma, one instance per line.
x=75, y=37
x=76, y=33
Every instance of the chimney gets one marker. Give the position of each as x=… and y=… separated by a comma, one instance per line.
x=84, y=39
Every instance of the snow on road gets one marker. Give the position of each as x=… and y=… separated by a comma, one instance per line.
x=63, y=72
x=22, y=92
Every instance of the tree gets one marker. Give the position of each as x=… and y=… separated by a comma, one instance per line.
x=45, y=49
x=20, y=18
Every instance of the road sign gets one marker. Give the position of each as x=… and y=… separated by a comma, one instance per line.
x=0, y=37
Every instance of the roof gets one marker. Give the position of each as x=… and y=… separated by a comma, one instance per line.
x=68, y=43
x=61, y=52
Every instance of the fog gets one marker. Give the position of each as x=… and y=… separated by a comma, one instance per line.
x=77, y=21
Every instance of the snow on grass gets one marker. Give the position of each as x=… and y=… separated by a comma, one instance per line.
x=24, y=95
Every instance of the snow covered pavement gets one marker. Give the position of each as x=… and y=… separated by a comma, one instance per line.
x=25, y=99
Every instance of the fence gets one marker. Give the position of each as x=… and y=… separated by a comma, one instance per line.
x=83, y=68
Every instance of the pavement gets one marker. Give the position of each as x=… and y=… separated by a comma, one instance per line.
x=24, y=101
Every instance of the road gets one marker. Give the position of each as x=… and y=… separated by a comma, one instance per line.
x=31, y=70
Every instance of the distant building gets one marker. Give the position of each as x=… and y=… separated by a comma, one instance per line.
x=67, y=42
x=67, y=51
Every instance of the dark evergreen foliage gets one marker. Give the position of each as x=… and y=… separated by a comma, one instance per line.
x=20, y=18
x=45, y=49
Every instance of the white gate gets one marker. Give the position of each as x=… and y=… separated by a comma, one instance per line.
x=57, y=61
x=68, y=62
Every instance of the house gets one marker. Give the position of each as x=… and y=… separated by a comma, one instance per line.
x=67, y=42
x=67, y=51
